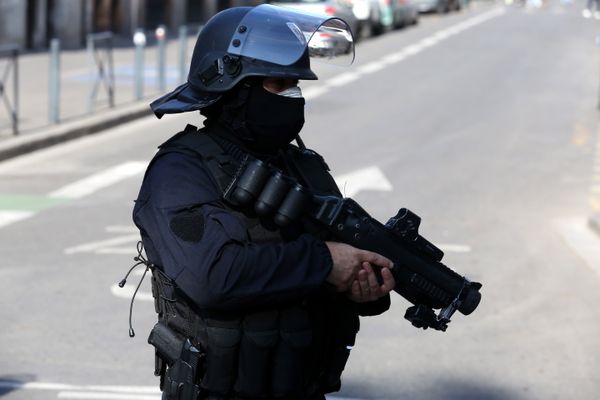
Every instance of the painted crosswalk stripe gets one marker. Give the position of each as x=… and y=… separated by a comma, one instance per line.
x=101, y=180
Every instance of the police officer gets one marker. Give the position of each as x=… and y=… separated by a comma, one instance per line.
x=272, y=310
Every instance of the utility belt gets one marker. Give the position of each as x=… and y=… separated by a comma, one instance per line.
x=288, y=353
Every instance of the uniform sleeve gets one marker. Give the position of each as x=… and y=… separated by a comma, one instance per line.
x=207, y=250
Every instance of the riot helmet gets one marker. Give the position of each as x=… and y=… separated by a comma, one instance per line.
x=261, y=41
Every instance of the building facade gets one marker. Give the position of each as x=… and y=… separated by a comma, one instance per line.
x=31, y=24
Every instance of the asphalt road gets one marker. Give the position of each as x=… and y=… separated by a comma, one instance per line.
x=483, y=122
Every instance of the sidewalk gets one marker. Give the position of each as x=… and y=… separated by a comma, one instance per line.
x=77, y=76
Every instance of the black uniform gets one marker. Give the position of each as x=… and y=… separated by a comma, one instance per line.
x=290, y=333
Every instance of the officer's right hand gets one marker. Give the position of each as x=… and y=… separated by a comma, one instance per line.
x=348, y=260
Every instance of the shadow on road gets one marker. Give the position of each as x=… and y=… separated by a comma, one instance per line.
x=10, y=383
x=439, y=390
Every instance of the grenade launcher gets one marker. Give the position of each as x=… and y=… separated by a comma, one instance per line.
x=420, y=276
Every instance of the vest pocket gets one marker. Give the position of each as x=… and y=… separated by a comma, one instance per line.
x=259, y=337
x=223, y=337
x=290, y=358
x=345, y=326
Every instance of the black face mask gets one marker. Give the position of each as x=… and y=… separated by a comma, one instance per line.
x=272, y=120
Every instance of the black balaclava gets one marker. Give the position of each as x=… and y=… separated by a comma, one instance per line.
x=265, y=122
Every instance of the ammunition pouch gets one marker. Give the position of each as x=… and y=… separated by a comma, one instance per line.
x=275, y=354
x=290, y=361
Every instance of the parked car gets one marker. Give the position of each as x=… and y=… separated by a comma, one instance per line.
x=337, y=8
x=438, y=6
x=406, y=12
x=374, y=16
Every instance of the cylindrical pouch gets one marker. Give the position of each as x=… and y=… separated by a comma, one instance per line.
x=289, y=361
x=259, y=337
x=223, y=337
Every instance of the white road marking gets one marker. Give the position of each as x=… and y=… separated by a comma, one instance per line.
x=102, y=244
x=371, y=67
x=121, y=229
x=370, y=178
x=9, y=217
x=411, y=50
x=101, y=180
x=394, y=58
x=314, y=91
x=440, y=35
x=67, y=391
x=580, y=237
x=342, y=79
x=105, y=396
x=429, y=41
x=65, y=386
x=454, y=248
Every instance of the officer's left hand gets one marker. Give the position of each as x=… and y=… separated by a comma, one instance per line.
x=366, y=288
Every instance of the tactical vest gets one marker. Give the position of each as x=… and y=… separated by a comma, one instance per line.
x=297, y=352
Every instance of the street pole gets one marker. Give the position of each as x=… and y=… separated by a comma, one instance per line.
x=161, y=33
x=54, y=94
x=93, y=72
x=183, y=68
x=598, y=44
x=139, y=40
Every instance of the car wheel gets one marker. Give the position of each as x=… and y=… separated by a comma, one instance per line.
x=376, y=29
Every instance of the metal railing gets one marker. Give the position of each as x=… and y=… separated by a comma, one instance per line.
x=100, y=87
x=100, y=50
x=11, y=53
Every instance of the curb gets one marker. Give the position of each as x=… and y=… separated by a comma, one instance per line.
x=66, y=131
x=594, y=223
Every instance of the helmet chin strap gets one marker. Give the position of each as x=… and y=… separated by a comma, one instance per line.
x=300, y=142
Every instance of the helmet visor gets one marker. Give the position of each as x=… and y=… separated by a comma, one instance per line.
x=280, y=35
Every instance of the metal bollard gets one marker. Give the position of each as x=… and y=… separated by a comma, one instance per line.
x=15, y=116
x=161, y=33
x=598, y=44
x=54, y=83
x=139, y=40
x=183, y=67
x=92, y=65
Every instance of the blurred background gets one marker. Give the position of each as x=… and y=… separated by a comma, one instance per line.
x=480, y=116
